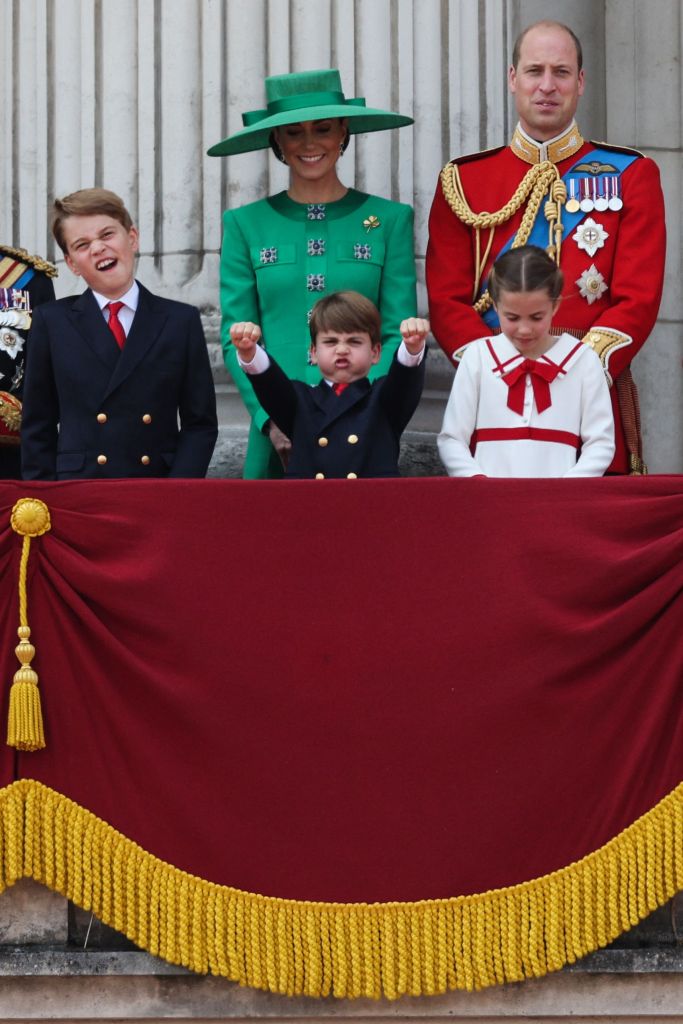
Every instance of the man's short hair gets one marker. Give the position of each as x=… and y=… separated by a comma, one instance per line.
x=346, y=313
x=516, y=51
x=87, y=202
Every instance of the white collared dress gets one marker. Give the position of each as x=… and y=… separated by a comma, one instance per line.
x=481, y=434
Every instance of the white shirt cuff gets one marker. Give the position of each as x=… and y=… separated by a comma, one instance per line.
x=406, y=359
x=259, y=363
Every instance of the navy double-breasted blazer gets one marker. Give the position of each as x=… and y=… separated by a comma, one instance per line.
x=94, y=411
x=354, y=434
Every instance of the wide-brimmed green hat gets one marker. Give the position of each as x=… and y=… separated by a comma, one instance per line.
x=304, y=96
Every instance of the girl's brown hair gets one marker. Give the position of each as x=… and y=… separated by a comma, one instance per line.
x=526, y=269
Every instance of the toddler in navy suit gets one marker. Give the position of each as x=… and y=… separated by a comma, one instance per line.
x=118, y=381
x=345, y=426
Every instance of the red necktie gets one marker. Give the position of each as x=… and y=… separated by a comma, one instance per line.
x=542, y=374
x=115, y=325
x=338, y=388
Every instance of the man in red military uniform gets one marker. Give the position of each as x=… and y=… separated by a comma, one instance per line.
x=598, y=209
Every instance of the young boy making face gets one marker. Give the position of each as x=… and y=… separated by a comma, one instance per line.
x=346, y=426
x=118, y=380
x=102, y=251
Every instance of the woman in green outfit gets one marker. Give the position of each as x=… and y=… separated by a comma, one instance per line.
x=282, y=253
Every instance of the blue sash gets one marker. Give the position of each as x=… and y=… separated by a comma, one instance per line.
x=25, y=278
x=539, y=232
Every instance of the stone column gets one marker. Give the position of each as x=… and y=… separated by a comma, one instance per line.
x=644, y=90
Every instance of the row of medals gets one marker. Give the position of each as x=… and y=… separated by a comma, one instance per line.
x=15, y=308
x=594, y=194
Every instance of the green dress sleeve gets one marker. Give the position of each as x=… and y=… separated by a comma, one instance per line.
x=397, y=295
x=239, y=301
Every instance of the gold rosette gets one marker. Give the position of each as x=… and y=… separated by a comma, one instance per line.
x=30, y=518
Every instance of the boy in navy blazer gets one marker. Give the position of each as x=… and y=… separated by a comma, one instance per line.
x=345, y=426
x=118, y=381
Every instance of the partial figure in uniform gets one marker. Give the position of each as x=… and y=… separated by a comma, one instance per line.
x=118, y=381
x=25, y=282
x=282, y=253
x=597, y=209
x=345, y=426
x=524, y=402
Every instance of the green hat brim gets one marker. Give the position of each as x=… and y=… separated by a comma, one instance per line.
x=360, y=119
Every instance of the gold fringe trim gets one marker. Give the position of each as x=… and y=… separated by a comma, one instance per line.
x=347, y=950
x=49, y=269
x=30, y=518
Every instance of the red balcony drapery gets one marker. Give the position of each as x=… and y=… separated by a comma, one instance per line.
x=357, y=692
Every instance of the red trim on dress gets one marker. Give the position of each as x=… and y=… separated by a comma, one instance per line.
x=524, y=434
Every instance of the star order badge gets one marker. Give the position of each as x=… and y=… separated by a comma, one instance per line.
x=591, y=284
x=590, y=236
x=11, y=342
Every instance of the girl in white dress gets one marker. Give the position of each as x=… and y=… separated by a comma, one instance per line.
x=525, y=403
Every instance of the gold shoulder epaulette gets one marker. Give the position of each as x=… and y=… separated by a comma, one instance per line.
x=616, y=149
x=37, y=262
x=468, y=157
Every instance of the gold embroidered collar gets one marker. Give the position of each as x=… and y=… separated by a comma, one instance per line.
x=561, y=147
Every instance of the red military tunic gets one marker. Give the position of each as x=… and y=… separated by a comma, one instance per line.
x=623, y=276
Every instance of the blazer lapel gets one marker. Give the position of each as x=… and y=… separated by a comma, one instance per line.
x=333, y=405
x=90, y=324
x=147, y=324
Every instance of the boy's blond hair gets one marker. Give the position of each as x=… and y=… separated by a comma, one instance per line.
x=87, y=202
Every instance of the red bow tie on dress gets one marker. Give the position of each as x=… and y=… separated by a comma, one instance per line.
x=542, y=374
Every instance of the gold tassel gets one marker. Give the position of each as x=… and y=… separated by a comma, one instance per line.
x=30, y=518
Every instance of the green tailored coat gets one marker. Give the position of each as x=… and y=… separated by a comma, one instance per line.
x=279, y=257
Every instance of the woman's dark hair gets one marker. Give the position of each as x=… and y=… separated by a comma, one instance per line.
x=526, y=269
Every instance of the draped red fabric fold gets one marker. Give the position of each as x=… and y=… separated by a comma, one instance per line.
x=384, y=690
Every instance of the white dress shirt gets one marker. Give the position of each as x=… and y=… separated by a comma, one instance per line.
x=127, y=311
x=261, y=360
